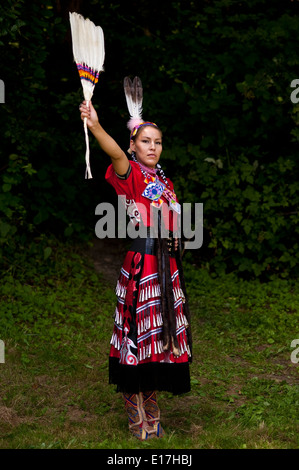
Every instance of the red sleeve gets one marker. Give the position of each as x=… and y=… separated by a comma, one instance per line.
x=128, y=187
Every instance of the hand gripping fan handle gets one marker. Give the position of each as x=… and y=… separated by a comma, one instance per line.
x=87, y=153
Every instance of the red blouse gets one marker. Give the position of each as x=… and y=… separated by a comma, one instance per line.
x=138, y=206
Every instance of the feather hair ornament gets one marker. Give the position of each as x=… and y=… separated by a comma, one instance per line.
x=89, y=55
x=134, y=97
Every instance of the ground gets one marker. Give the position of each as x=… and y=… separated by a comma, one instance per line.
x=107, y=256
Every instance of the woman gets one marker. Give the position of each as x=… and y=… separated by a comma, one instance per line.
x=151, y=340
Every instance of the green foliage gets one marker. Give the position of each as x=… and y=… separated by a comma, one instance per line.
x=56, y=319
x=265, y=402
x=37, y=191
x=248, y=211
x=255, y=312
x=216, y=78
x=51, y=295
x=240, y=158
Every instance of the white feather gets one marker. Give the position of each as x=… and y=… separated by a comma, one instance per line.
x=134, y=97
x=88, y=50
x=88, y=42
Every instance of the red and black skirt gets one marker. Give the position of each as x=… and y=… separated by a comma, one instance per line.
x=151, y=341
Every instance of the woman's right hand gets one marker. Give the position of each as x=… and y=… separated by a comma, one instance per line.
x=118, y=157
x=89, y=113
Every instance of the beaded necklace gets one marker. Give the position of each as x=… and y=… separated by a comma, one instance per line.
x=150, y=175
x=151, y=171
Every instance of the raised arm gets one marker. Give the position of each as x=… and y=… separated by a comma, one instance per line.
x=118, y=157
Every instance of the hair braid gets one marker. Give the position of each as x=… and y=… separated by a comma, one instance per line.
x=162, y=174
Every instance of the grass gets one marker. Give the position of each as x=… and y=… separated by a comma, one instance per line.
x=56, y=321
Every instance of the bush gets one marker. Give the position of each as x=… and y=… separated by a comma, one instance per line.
x=217, y=82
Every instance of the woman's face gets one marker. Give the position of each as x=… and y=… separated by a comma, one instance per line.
x=148, y=146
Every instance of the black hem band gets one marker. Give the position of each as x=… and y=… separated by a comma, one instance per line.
x=153, y=376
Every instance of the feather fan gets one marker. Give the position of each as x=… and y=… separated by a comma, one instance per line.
x=89, y=55
x=134, y=97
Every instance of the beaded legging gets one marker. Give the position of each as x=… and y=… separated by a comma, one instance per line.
x=152, y=412
x=144, y=415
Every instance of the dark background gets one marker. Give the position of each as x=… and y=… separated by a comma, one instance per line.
x=216, y=78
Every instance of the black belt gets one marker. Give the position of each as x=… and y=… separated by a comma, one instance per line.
x=147, y=246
